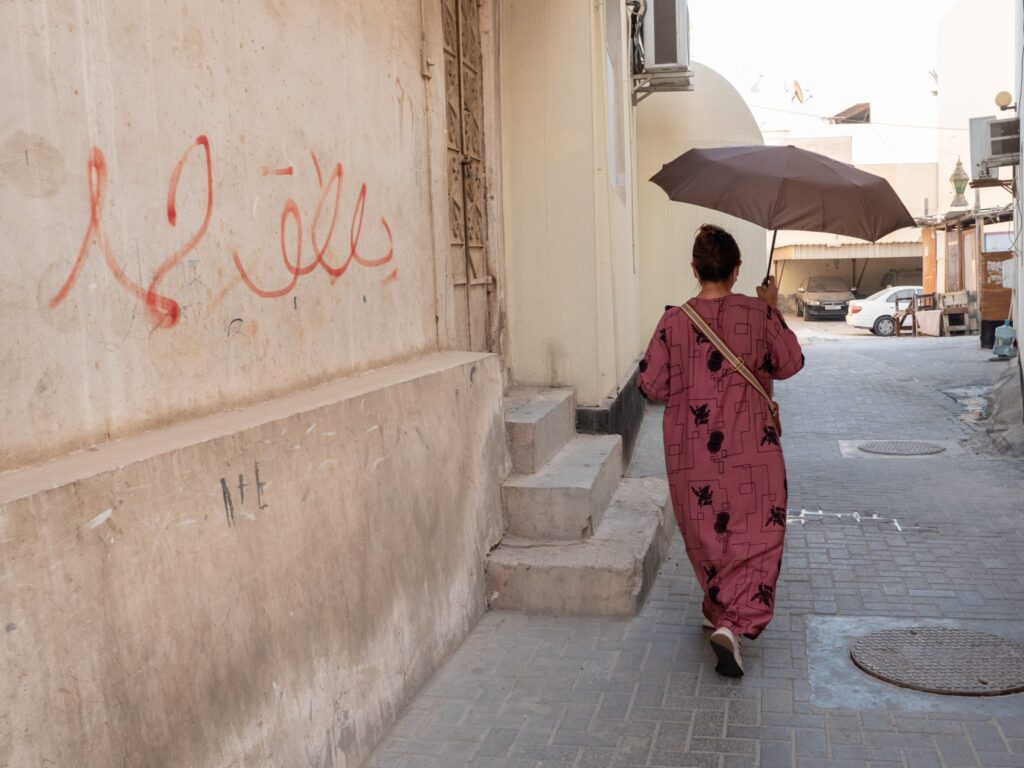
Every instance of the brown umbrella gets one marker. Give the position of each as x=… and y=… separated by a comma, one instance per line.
x=786, y=188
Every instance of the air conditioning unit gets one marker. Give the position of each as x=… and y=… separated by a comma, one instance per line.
x=994, y=143
x=666, y=36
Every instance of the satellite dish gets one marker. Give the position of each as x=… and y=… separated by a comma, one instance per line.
x=798, y=93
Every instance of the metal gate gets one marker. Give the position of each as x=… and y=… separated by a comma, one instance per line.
x=467, y=183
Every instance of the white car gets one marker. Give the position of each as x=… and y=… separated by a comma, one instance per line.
x=876, y=312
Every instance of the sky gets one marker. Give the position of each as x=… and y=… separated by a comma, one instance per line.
x=878, y=51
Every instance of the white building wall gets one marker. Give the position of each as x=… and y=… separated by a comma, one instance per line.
x=976, y=61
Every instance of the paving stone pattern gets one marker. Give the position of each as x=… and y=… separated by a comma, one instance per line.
x=555, y=692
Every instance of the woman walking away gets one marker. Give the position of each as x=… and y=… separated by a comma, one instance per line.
x=722, y=449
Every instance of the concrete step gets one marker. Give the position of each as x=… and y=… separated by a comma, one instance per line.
x=609, y=574
x=566, y=498
x=538, y=423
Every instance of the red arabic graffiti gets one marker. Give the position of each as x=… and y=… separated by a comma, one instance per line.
x=290, y=211
x=165, y=311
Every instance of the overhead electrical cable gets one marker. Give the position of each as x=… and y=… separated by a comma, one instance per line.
x=873, y=122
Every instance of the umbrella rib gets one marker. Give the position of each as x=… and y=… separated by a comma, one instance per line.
x=772, y=218
x=864, y=212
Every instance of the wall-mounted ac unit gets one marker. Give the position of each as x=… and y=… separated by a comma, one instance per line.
x=666, y=35
x=994, y=143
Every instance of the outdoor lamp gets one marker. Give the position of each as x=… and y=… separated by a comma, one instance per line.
x=959, y=181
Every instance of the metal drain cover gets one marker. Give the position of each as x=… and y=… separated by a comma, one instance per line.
x=901, y=447
x=955, y=662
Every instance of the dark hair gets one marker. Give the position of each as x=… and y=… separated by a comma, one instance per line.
x=715, y=254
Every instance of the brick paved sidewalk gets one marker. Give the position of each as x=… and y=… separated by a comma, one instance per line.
x=946, y=545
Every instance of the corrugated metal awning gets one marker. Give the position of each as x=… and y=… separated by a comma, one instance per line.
x=850, y=251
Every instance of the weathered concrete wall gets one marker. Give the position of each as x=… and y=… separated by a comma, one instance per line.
x=568, y=190
x=668, y=124
x=254, y=588
x=208, y=204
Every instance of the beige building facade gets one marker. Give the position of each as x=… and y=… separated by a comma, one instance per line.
x=570, y=196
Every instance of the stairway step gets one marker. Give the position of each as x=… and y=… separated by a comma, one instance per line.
x=566, y=498
x=609, y=574
x=538, y=423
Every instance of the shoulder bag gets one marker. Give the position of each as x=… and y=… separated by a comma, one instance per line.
x=737, y=364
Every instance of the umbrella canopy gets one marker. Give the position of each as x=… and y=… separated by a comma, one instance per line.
x=786, y=188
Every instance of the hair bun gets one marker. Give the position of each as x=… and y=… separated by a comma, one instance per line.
x=715, y=253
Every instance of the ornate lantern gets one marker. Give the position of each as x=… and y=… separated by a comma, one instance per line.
x=959, y=181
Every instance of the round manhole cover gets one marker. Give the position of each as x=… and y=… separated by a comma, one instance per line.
x=955, y=662
x=901, y=447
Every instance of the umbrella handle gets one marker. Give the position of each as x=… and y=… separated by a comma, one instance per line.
x=768, y=274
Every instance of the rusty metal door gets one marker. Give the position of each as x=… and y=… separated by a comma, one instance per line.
x=467, y=182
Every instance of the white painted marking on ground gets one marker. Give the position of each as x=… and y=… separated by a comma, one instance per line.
x=99, y=520
x=802, y=517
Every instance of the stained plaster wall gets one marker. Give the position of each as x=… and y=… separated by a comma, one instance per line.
x=160, y=168
x=260, y=587
x=169, y=176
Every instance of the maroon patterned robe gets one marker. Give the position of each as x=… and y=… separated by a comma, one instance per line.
x=723, y=456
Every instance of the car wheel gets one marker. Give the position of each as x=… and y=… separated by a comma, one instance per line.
x=799, y=309
x=884, y=326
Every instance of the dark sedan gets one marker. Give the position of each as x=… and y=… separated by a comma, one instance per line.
x=823, y=297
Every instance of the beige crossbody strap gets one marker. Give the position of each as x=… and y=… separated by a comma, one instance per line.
x=737, y=364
